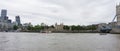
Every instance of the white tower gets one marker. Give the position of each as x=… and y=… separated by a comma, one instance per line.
x=118, y=14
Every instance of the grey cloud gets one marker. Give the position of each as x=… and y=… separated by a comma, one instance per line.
x=67, y=11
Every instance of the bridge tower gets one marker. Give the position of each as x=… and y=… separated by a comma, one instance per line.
x=118, y=14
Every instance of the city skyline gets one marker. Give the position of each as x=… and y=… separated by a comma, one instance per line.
x=68, y=12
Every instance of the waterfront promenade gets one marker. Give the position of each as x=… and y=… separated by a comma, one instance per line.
x=59, y=42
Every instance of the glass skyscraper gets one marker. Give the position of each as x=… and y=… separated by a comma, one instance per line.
x=3, y=13
x=18, y=20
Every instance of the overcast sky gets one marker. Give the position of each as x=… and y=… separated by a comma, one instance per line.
x=78, y=12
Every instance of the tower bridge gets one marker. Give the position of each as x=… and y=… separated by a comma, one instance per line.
x=116, y=28
x=118, y=14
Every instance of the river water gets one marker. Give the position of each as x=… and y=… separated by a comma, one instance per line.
x=59, y=42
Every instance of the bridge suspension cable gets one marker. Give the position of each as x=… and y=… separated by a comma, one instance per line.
x=114, y=18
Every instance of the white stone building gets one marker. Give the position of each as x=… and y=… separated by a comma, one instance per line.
x=59, y=27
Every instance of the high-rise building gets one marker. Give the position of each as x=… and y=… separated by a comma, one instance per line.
x=9, y=21
x=6, y=24
x=118, y=14
x=3, y=13
x=18, y=20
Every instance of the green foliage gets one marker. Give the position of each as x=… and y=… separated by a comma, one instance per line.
x=35, y=28
x=30, y=27
x=52, y=26
x=38, y=28
x=73, y=27
x=15, y=27
x=89, y=27
x=66, y=27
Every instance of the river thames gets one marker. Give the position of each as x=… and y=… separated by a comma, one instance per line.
x=59, y=42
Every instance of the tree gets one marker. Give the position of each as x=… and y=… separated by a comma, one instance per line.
x=38, y=28
x=66, y=27
x=52, y=26
x=73, y=27
x=78, y=27
x=91, y=27
x=15, y=27
x=94, y=27
x=30, y=27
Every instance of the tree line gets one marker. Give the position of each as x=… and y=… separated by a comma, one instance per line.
x=66, y=27
x=79, y=27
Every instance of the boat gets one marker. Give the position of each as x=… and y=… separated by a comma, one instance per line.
x=45, y=31
x=105, y=29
